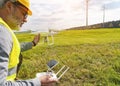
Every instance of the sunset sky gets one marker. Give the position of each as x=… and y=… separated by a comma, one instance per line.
x=62, y=14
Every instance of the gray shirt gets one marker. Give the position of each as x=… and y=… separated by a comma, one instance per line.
x=5, y=49
x=25, y=46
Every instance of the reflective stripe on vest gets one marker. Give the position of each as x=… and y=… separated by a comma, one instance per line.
x=14, y=55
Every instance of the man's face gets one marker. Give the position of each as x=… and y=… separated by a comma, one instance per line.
x=17, y=17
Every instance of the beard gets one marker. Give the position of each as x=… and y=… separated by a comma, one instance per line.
x=14, y=21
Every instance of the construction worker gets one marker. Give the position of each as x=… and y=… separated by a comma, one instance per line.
x=13, y=14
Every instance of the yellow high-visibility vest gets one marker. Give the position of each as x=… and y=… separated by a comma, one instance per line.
x=14, y=55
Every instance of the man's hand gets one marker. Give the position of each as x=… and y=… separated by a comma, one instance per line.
x=36, y=40
x=46, y=80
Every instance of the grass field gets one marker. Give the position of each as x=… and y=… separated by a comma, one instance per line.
x=92, y=55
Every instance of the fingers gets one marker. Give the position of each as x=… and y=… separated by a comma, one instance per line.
x=47, y=80
x=53, y=80
x=38, y=36
x=36, y=39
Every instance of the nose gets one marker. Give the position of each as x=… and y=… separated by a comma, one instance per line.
x=25, y=20
x=25, y=17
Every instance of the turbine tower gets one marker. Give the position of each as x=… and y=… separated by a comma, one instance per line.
x=87, y=13
x=103, y=15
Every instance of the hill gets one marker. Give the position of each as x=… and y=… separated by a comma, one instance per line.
x=110, y=24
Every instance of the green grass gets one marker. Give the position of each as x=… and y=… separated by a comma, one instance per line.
x=92, y=55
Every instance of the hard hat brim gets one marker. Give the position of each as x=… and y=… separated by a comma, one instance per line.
x=29, y=12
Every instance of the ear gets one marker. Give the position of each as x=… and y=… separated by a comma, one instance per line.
x=8, y=6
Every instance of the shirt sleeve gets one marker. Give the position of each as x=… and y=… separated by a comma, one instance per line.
x=25, y=46
x=5, y=49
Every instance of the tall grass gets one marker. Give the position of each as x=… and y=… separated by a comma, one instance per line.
x=92, y=55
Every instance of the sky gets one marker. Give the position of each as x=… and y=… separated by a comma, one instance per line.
x=64, y=14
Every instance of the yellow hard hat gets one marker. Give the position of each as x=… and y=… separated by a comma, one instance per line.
x=26, y=3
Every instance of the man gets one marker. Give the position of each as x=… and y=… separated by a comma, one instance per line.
x=13, y=14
